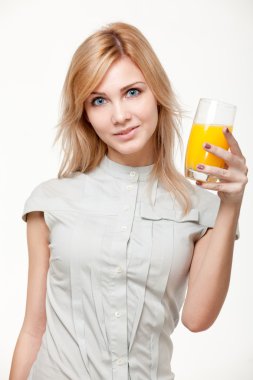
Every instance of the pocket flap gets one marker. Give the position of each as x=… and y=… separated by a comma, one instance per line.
x=159, y=212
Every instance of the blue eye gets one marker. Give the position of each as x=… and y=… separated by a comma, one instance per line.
x=98, y=101
x=95, y=103
x=133, y=91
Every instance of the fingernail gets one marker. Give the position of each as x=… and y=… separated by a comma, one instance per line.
x=200, y=166
x=207, y=146
x=198, y=183
x=227, y=130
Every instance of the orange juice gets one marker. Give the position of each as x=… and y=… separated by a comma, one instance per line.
x=196, y=154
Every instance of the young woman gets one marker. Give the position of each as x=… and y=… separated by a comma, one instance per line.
x=116, y=238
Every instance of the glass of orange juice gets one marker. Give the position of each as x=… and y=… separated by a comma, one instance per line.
x=210, y=118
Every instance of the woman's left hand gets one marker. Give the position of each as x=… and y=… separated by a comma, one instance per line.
x=233, y=178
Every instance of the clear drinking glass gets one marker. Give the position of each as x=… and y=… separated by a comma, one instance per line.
x=210, y=118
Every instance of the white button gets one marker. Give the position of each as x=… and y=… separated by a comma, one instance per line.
x=129, y=187
x=120, y=361
x=132, y=174
x=123, y=228
x=118, y=270
x=117, y=314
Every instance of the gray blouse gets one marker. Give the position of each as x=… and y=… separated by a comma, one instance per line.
x=119, y=262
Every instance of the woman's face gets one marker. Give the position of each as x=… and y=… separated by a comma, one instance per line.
x=123, y=100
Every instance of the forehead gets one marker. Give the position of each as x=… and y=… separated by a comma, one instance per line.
x=120, y=73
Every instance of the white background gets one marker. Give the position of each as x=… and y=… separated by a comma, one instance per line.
x=206, y=49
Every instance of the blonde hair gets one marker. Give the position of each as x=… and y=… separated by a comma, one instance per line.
x=82, y=148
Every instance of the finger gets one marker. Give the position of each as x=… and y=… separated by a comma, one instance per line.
x=219, y=152
x=232, y=142
x=227, y=187
x=231, y=159
x=214, y=171
x=224, y=174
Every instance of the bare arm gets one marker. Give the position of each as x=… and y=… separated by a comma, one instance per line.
x=210, y=272
x=212, y=260
x=34, y=323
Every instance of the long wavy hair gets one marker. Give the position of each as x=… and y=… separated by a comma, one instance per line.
x=81, y=146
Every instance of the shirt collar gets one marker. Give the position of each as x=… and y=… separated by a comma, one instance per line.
x=124, y=171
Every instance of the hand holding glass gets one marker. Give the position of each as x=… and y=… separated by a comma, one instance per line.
x=210, y=119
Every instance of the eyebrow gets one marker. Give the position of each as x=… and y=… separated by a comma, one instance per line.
x=122, y=89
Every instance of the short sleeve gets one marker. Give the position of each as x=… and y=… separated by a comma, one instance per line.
x=207, y=204
x=37, y=201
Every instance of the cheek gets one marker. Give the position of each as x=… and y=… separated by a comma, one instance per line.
x=151, y=116
x=98, y=122
x=154, y=117
x=148, y=112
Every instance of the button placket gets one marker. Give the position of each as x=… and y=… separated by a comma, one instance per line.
x=115, y=256
x=118, y=323
x=117, y=272
x=117, y=314
x=134, y=176
x=121, y=361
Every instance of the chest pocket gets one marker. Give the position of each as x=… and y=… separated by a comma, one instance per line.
x=172, y=233
x=151, y=263
x=160, y=212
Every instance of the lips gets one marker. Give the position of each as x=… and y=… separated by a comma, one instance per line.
x=126, y=131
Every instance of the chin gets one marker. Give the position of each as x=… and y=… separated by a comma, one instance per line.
x=127, y=151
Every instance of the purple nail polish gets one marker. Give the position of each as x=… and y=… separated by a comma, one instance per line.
x=227, y=130
x=207, y=146
x=200, y=166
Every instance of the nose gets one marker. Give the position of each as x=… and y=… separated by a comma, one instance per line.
x=120, y=114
